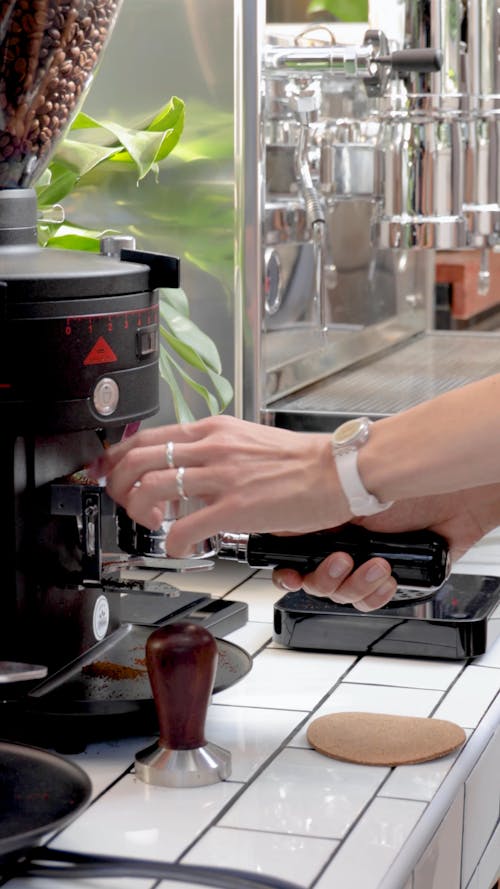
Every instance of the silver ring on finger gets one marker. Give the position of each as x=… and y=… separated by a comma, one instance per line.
x=169, y=454
x=179, y=481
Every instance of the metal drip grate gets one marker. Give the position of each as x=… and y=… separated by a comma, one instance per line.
x=407, y=375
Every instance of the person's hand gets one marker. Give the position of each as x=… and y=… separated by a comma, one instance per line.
x=462, y=518
x=250, y=478
x=255, y=478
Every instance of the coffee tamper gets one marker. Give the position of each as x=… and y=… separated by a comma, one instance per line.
x=182, y=660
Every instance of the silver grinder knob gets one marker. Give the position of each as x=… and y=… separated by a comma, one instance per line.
x=182, y=660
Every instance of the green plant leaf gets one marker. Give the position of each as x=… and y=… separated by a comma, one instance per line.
x=143, y=147
x=83, y=121
x=195, y=343
x=82, y=157
x=185, y=351
x=71, y=237
x=61, y=182
x=211, y=400
x=223, y=388
x=211, y=134
x=170, y=120
x=168, y=117
x=94, y=143
x=175, y=297
x=182, y=410
x=346, y=10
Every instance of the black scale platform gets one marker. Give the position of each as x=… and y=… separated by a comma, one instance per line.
x=452, y=623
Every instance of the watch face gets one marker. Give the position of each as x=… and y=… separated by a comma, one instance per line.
x=350, y=431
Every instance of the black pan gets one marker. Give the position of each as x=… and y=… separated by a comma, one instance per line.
x=40, y=792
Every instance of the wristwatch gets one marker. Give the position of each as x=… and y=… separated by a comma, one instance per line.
x=346, y=442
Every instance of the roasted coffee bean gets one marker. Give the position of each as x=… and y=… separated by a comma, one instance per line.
x=48, y=50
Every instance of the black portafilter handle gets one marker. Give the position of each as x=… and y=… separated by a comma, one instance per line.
x=406, y=61
x=418, y=559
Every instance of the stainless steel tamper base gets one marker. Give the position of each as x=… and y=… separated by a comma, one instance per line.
x=183, y=768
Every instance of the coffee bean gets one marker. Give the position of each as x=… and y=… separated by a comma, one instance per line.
x=48, y=50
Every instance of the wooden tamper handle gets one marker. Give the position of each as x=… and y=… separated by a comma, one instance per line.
x=182, y=661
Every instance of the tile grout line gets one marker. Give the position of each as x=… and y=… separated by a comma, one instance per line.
x=267, y=762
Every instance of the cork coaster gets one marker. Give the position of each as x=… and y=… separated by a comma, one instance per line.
x=378, y=739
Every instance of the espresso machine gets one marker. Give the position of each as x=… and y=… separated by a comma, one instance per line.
x=365, y=155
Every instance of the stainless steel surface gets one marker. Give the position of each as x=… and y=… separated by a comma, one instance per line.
x=13, y=671
x=420, y=167
x=347, y=165
x=137, y=540
x=249, y=22
x=427, y=366
x=348, y=61
x=179, y=566
x=231, y=545
x=468, y=34
x=183, y=768
x=111, y=245
x=483, y=42
x=399, y=165
x=445, y=32
x=386, y=291
x=436, y=24
x=332, y=295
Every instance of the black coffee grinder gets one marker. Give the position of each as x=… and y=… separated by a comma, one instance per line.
x=78, y=364
x=79, y=332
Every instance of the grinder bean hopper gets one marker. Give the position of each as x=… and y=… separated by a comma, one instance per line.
x=79, y=356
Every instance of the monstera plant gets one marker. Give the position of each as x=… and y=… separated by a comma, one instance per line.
x=345, y=10
x=91, y=152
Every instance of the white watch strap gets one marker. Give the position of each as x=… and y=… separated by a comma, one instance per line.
x=361, y=502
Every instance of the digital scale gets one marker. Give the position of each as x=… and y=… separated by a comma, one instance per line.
x=452, y=623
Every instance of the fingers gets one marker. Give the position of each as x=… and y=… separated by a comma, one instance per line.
x=153, y=456
x=151, y=444
x=139, y=472
x=196, y=526
x=145, y=502
x=367, y=588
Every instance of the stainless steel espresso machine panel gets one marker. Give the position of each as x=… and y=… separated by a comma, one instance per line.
x=364, y=153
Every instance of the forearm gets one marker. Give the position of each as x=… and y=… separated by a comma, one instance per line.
x=447, y=444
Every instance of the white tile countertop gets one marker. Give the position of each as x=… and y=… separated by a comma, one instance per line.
x=287, y=810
